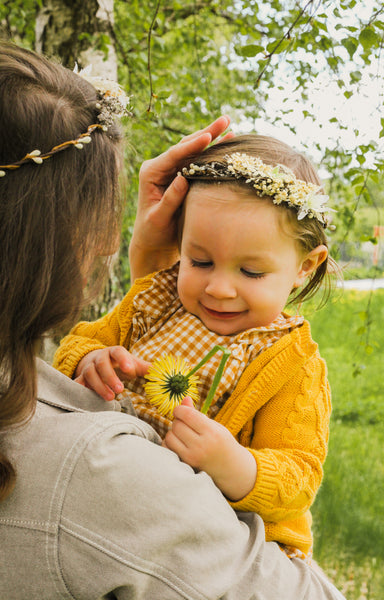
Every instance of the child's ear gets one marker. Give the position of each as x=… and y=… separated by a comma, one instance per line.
x=310, y=263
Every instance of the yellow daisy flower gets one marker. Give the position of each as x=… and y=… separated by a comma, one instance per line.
x=169, y=381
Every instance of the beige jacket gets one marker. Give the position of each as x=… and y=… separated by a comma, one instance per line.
x=101, y=511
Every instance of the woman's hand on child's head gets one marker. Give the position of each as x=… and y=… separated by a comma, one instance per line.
x=104, y=370
x=160, y=195
x=207, y=445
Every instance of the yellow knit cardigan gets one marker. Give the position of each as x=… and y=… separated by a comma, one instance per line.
x=279, y=410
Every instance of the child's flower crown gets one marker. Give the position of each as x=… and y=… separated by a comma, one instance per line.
x=112, y=103
x=279, y=183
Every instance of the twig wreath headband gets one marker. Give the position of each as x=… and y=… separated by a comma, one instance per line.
x=278, y=183
x=112, y=102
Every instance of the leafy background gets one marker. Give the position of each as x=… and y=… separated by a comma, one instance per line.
x=309, y=72
x=185, y=63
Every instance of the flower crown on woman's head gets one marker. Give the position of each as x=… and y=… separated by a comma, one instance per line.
x=279, y=183
x=112, y=100
x=112, y=103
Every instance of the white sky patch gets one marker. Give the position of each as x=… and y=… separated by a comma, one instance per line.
x=336, y=122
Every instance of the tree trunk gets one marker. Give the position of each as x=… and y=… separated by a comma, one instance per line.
x=77, y=31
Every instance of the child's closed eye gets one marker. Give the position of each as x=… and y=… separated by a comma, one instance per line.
x=202, y=264
x=253, y=274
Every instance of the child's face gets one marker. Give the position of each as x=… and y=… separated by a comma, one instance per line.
x=237, y=266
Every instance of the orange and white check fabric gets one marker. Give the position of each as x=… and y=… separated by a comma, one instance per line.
x=162, y=326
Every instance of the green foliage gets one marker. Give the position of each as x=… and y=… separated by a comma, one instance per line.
x=360, y=208
x=185, y=63
x=197, y=60
x=349, y=509
x=17, y=20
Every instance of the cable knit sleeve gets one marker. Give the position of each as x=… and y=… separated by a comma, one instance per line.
x=288, y=430
x=111, y=330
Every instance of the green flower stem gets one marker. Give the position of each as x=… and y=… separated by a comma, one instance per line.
x=216, y=379
x=215, y=383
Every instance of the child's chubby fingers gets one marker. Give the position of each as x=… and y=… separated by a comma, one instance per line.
x=180, y=441
x=187, y=401
x=187, y=414
x=183, y=433
x=104, y=370
x=99, y=370
x=114, y=367
x=204, y=441
x=90, y=379
x=127, y=365
x=187, y=435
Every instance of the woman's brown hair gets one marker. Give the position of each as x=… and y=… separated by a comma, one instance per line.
x=55, y=218
x=308, y=232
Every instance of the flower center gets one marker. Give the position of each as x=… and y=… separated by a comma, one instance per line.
x=177, y=384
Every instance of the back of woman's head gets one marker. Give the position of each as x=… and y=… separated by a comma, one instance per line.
x=55, y=217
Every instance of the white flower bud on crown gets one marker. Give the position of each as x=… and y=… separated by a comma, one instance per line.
x=112, y=100
x=38, y=158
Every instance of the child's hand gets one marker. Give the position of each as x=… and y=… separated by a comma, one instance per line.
x=105, y=370
x=209, y=446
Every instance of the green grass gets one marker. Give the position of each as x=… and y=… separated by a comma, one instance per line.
x=349, y=508
x=350, y=334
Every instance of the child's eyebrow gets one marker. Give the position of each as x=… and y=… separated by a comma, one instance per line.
x=260, y=257
x=195, y=246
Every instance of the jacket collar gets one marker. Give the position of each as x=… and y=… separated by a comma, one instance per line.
x=58, y=390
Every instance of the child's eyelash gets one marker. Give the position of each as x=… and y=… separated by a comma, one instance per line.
x=200, y=263
x=205, y=264
x=252, y=274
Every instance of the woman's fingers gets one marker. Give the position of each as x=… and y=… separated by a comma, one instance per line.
x=171, y=200
x=159, y=170
x=214, y=129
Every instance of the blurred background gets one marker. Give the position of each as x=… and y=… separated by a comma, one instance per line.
x=311, y=74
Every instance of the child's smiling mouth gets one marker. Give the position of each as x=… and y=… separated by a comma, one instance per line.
x=217, y=314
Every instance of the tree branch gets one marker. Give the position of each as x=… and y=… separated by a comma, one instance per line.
x=286, y=36
x=149, y=55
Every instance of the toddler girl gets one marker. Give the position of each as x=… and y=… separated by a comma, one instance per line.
x=251, y=239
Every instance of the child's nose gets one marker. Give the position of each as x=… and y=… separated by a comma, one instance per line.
x=220, y=286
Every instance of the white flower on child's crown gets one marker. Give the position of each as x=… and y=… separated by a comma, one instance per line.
x=315, y=205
